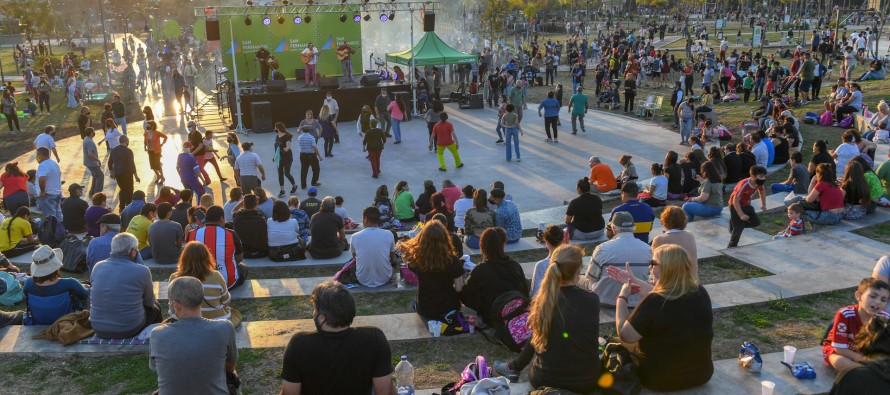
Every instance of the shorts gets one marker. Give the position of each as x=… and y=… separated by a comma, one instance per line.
x=154, y=160
x=805, y=85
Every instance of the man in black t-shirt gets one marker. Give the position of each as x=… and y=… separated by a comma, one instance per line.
x=251, y=225
x=74, y=210
x=584, y=215
x=311, y=204
x=336, y=358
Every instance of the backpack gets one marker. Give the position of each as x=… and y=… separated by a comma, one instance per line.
x=474, y=371
x=846, y=122
x=723, y=133
x=51, y=232
x=13, y=292
x=386, y=212
x=74, y=254
x=826, y=119
x=511, y=320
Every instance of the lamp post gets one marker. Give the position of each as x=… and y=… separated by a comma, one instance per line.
x=2, y=76
x=105, y=44
x=834, y=46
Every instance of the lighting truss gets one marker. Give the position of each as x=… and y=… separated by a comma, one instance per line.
x=294, y=9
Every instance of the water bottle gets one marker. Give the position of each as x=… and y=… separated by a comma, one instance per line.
x=405, y=377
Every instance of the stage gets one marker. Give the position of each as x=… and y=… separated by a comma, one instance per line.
x=290, y=105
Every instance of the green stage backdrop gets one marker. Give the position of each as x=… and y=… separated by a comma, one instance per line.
x=286, y=41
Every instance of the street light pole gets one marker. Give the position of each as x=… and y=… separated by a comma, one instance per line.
x=2, y=76
x=105, y=44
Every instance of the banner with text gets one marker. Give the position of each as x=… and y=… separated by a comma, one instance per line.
x=286, y=41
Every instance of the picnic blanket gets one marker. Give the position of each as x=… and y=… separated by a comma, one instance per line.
x=130, y=341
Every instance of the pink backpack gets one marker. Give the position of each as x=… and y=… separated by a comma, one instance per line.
x=826, y=119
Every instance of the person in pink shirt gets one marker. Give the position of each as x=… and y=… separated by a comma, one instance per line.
x=396, y=109
x=452, y=193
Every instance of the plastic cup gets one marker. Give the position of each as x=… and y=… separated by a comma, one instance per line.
x=789, y=354
x=438, y=331
x=767, y=387
x=431, y=325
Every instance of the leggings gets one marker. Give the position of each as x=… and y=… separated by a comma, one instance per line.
x=12, y=118
x=43, y=98
x=284, y=171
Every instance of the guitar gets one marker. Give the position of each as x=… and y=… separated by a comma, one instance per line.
x=344, y=54
x=307, y=57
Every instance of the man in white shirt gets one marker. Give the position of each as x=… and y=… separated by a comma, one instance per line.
x=374, y=250
x=85, y=65
x=622, y=249
x=309, y=72
x=758, y=148
x=249, y=168
x=49, y=183
x=335, y=111
x=46, y=140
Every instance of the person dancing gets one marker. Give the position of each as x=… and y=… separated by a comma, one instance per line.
x=444, y=138
x=284, y=156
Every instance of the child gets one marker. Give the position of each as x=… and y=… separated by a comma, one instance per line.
x=748, y=85
x=89, y=86
x=31, y=107
x=656, y=194
x=838, y=348
x=629, y=174
x=350, y=224
x=293, y=203
x=32, y=187
x=795, y=227
x=882, y=135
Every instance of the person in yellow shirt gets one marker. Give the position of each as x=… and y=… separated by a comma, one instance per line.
x=139, y=227
x=602, y=180
x=16, y=235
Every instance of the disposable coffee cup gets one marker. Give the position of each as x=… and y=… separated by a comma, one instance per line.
x=789, y=354
x=438, y=331
x=767, y=387
x=434, y=331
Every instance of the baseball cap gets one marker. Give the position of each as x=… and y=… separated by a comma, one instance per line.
x=312, y=191
x=74, y=187
x=110, y=218
x=622, y=219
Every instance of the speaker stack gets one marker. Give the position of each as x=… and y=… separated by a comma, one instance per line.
x=429, y=22
x=261, y=114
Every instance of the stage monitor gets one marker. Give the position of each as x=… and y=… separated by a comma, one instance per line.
x=370, y=79
x=212, y=30
x=276, y=85
x=328, y=83
x=300, y=74
x=429, y=22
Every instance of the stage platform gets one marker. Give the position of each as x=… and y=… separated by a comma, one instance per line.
x=290, y=104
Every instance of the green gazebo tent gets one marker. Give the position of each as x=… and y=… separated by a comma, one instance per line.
x=430, y=51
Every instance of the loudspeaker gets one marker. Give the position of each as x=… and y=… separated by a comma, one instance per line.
x=212, y=28
x=476, y=101
x=261, y=114
x=300, y=74
x=429, y=22
x=276, y=85
x=370, y=79
x=328, y=83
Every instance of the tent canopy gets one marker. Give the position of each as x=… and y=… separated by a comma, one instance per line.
x=430, y=51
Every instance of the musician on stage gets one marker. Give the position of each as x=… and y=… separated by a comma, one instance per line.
x=344, y=51
x=309, y=73
x=262, y=56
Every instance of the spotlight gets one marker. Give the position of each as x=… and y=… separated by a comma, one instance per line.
x=250, y=4
x=285, y=2
x=392, y=15
x=267, y=21
x=384, y=18
x=247, y=21
x=343, y=17
x=308, y=18
x=342, y=1
x=356, y=18
x=367, y=17
x=298, y=20
x=280, y=20
x=310, y=3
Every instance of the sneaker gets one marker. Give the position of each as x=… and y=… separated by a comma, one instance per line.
x=281, y=194
x=442, y=169
x=500, y=141
x=549, y=140
x=518, y=159
x=583, y=131
x=574, y=132
x=293, y=190
x=397, y=142
x=503, y=369
x=556, y=141
x=460, y=165
x=316, y=184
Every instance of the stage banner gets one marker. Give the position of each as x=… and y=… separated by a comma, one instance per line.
x=286, y=41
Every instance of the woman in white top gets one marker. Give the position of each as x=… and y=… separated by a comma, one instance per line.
x=112, y=136
x=283, y=230
x=844, y=152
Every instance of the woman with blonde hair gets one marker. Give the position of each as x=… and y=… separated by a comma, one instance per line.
x=328, y=130
x=564, y=320
x=671, y=329
x=196, y=261
x=439, y=271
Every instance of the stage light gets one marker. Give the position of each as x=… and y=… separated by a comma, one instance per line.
x=342, y=17
x=367, y=17
x=357, y=18
x=384, y=17
x=250, y=4
x=392, y=15
x=285, y=2
x=308, y=18
x=310, y=3
x=247, y=21
x=298, y=20
x=280, y=20
x=267, y=21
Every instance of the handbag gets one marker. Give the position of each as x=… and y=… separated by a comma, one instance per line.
x=618, y=363
x=287, y=253
x=346, y=275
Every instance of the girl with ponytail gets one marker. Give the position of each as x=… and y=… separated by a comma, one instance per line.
x=564, y=319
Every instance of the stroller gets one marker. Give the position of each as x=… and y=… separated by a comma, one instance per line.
x=609, y=97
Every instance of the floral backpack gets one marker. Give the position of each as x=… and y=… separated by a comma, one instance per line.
x=511, y=311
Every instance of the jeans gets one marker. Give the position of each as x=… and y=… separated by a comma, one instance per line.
x=512, y=137
x=758, y=88
x=777, y=187
x=580, y=118
x=97, y=180
x=397, y=129
x=822, y=217
x=697, y=208
x=385, y=119
x=347, y=69
x=307, y=161
x=51, y=205
x=374, y=156
x=685, y=129
x=122, y=122
x=17, y=199
x=499, y=128
x=440, y=150
x=736, y=225
x=473, y=242
x=550, y=122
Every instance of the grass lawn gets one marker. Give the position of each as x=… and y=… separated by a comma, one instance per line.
x=879, y=232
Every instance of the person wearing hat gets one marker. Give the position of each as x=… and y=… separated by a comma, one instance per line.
x=249, y=168
x=123, y=169
x=46, y=278
x=507, y=216
x=311, y=204
x=578, y=106
x=74, y=210
x=642, y=213
x=187, y=167
x=622, y=249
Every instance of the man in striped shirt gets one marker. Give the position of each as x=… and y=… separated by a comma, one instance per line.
x=224, y=245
